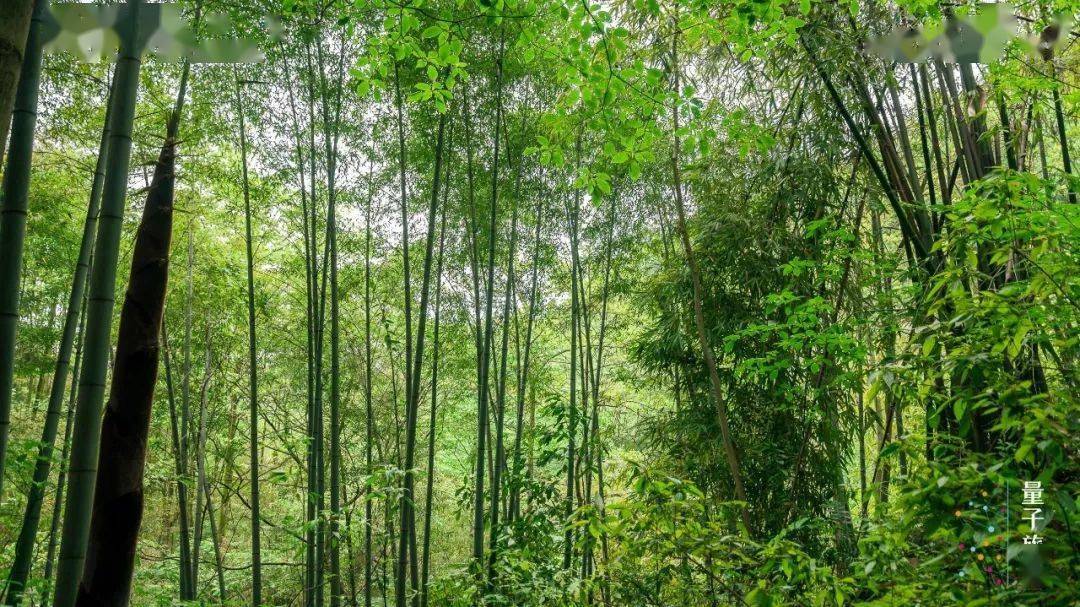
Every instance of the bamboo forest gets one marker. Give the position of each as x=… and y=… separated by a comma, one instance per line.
x=539, y=303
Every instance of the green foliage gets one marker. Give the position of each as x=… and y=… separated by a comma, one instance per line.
x=872, y=393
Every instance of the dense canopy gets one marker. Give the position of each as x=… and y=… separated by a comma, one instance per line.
x=541, y=303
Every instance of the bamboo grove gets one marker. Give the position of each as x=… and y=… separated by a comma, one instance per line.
x=552, y=303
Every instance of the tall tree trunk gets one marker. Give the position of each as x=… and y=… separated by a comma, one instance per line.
x=500, y=387
x=482, y=412
x=584, y=469
x=14, y=28
x=205, y=510
x=202, y=505
x=861, y=425
x=369, y=436
x=16, y=187
x=335, y=413
x=317, y=294
x=573, y=215
x=86, y=437
x=1063, y=142
x=190, y=563
x=24, y=546
x=253, y=369
x=330, y=140
x=429, y=490
x=351, y=553
x=400, y=589
x=523, y=376
x=58, y=501
x=215, y=540
x=309, y=327
x=320, y=283
x=730, y=454
x=594, y=449
x=412, y=393
x=181, y=481
x=62, y=475
x=472, y=224
x=118, y=493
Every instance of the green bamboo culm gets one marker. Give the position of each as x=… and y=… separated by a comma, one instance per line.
x=16, y=187
x=59, y=487
x=119, y=491
x=14, y=25
x=253, y=445
x=24, y=547
x=82, y=468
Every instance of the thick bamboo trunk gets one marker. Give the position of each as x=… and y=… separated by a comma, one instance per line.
x=253, y=366
x=85, y=439
x=118, y=496
x=429, y=489
x=58, y=500
x=16, y=187
x=330, y=140
x=14, y=27
x=24, y=547
x=485, y=355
